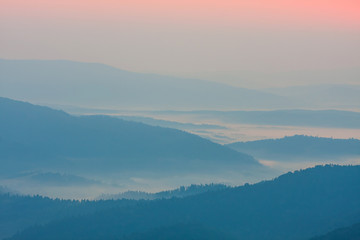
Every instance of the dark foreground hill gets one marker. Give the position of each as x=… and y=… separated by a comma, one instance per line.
x=180, y=232
x=19, y=212
x=299, y=146
x=34, y=137
x=296, y=206
x=347, y=233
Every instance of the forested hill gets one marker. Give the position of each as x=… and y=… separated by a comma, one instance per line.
x=33, y=136
x=19, y=212
x=296, y=206
x=347, y=233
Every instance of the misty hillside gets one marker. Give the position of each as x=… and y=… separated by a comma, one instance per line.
x=296, y=206
x=4, y=190
x=53, y=179
x=34, y=137
x=99, y=85
x=179, y=192
x=299, y=146
x=313, y=118
x=170, y=124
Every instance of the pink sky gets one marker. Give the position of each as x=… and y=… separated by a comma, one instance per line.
x=329, y=13
x=216, y=40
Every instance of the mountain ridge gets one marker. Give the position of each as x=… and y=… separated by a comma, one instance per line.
x=45, y=134
x=61, y=82
x=297, y=205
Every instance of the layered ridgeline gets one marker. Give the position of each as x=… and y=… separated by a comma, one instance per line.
x=300, y=147
x=297, y=205
x=171, y=124
x=179, y=192
x=98, y=85
x=102, y=86
x=309, y=118
x=35, y=138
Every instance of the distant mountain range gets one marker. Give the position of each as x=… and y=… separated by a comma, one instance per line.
x=340, y=96
x=313, y=118
x=170, y=124
x=299, y=146
x=96, y=85
x=101, y=86
x=297, y=205
x=39, y=138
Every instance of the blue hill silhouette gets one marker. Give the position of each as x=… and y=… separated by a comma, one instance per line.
x=346, y=233
x=35, y=137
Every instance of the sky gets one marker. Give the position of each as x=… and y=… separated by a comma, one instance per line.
x=255, y=44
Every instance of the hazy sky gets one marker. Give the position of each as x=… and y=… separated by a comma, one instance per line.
x=257, y=43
